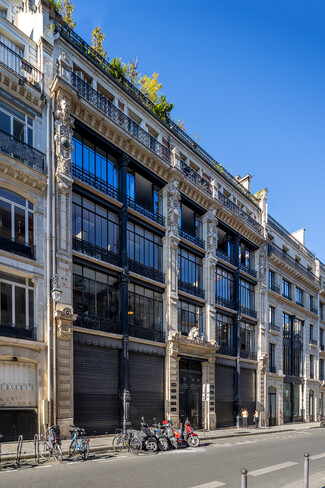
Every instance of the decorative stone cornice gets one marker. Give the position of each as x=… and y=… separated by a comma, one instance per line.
x=24, y=174
x=293, y=272
x=239, y=226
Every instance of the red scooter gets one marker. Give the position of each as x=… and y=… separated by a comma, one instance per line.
x=182, y=436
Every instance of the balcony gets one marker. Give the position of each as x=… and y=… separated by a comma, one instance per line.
x=313, y=342
x=98, y=323
x=227, y=350
x=94, y=251
x=222, y=255
x=17, y=332
x=313, y=309
x=248, y=355
x=274, y=287
x=23, y=152
x=147, y=271
x=274, y=249
x=95, y=182
x=155, y=216
x=248, y=270
x=240, y=213
x=225, y=302
x=20, y=67
x=248, y=311
x=193, y=239
x=274, y=328
x=20, y=248
x=149, y=334
x=197, y=179
x=118, y=117
x=272, y=369
x=191, y=289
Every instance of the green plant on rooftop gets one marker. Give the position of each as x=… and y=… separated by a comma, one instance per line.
x=65, y=9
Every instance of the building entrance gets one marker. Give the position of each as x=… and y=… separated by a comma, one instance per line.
x=292, y=399
x=190, y=391
x=272, y=406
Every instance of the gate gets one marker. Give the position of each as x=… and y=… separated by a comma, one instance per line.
x=190, y=391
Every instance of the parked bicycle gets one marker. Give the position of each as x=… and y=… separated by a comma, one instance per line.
x=128, y=439
x=51, y=444
x=78, y=444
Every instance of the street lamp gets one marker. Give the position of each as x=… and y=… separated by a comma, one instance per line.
x=56, y=292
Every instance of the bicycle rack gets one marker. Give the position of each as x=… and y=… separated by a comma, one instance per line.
x=17, y=453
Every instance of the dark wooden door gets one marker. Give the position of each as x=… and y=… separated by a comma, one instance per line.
x=190, y=392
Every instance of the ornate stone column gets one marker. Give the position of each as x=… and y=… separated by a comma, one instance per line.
x=171, y=209
x=262, y=342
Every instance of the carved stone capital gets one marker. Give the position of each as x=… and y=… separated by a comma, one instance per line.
x=63, y=141
x=64, y=66
x=173, y=208
x=64, y=317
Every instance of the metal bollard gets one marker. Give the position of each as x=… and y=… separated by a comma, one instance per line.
x=244, y=478
x=306, y=471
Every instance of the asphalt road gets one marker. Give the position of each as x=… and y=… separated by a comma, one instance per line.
x=272, y=460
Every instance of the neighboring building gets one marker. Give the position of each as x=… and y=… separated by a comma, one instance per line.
x=167, y=266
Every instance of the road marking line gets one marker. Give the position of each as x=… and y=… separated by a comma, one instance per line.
x=317, y=456
x=213, y=484
x=42, y=467
x=269, y=469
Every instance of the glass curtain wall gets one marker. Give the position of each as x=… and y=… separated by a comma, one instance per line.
x=189, y=316
x=145, y=308
x=144, y=247
x=190, y=268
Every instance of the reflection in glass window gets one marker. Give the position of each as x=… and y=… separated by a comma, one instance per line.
x=190, y=268
x=189, y=316
x=16, y=302
x=224, y=284
x=145, y=307
x=16, y=217
x=224, y=330
x=144, y=247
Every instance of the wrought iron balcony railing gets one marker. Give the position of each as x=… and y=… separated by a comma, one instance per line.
x=225, y=302
x=20, y=248
x=99, y=323
x=248, y=355
x=313, y=309
x=95, y=182
x=23, y=152
x=147, y=271
x=191, y=289
x=195, y=177
x=274, y=249
x=150, y=334
x=248, y=270
x=286, y=234
x=240, y=213
x=103, y=104
x=248, y=311
x=274, y=287
x=17, y=332
x=222, y=255
x=94, y=251
x=272, y=369
x=314, y=342
x=155, y=216
x=20, y=67
x=274, y=328
x=194, y=239
x=227, y=350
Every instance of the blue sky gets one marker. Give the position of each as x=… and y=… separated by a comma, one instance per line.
x=247, y=77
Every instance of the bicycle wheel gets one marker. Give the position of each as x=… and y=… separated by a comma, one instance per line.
x=135, y=446
x=85, y=449
x=72, y=448
x=118, y=443
x=57, y=453
x=44, y=450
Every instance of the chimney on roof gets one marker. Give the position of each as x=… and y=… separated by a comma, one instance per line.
x=299, y=235
x=245, y=181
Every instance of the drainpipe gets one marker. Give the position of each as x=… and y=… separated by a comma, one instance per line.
x=48, y=265
x=53, y=261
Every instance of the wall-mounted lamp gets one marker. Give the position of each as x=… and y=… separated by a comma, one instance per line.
x=56, y=292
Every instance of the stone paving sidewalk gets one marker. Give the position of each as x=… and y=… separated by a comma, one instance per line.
x=104, y=443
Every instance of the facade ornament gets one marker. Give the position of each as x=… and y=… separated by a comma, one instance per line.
x=194, y=335
x=262, y=265
x=262, y=363
x=212, y=235
x=64, y=65
x=173, y=207
x=63, y=143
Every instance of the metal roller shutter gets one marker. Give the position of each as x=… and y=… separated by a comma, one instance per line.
x=14, y=423
x=248, y=391
x=224, y=395
x=96, y=388
x=146, y=377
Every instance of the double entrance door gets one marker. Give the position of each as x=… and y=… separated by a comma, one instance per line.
x=190, y=391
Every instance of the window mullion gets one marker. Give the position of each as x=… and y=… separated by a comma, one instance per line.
x=13, y=287
x=27, y=306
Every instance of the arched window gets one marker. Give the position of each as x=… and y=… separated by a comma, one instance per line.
x=16, y=223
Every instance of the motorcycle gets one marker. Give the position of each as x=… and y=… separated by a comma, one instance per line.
x=159, y=433
x=185, y=436
x=149, y=441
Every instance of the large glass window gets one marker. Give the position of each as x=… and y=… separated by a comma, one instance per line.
x=16, y=302
x=312, y=366
x=144, y=247
x=144, y=192
x=272, y=357
x=145, y=308
x=224, y=331
x=299, y=296
x=286, y=289
x=297, y=362
x=246, y=256
x=224, y=285
x=16, y=123
x=287, y=351
x=95, y=224
x=95, y=294
x=189, y=316
x=225, y=242
x=16, y=217
x=94, y=159
x=190, y=221
x=190, y=268
x=272, y=315
x=247, y=337
x=286, y=325
x=247, y=295
x=298, y=330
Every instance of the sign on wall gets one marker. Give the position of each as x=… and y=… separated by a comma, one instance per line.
x=17, y=384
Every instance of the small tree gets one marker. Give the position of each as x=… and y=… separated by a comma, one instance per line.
x=150, y=86
x=97, y=41
x=66, y=10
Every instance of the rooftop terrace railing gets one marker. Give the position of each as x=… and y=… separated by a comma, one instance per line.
x=20, y=67
x=240, y=213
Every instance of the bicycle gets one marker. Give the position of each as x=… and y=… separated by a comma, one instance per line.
x=128, y=439
x=78, y=443
x=51, y=444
